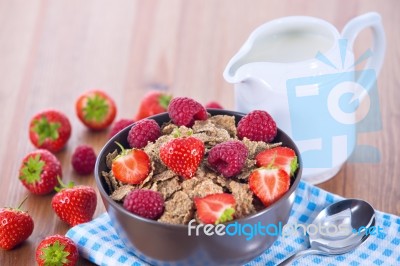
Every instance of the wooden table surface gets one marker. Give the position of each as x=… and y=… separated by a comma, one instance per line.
x=51, y=51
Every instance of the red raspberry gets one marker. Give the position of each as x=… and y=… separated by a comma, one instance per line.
x=146, y=203
x=120, y=125
x=257, y=126
x=143, y=131
x=228, y=158
x=83, y=159
x=184, y=111
x=214, y=105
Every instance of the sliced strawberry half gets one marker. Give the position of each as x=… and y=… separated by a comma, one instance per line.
x=215, y=208
x=131, y=166
x=279, y=157
x=269, y=184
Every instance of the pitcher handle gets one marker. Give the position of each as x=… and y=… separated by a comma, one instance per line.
x=351, y=31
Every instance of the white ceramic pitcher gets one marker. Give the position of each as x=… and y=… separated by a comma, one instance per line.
x=296, y=57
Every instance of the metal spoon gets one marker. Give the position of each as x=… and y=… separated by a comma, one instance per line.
x=345, y=225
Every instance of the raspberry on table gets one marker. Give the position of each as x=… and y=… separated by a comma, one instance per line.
x=83, y=159
x=183, y=111
x=228, y=158
x=120, y=125
x=145, y=203
x=142, y=132
x=257, y=125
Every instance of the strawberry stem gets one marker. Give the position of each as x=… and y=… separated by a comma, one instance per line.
x=62, y=185
x=177, y=133
x=22, y=202
x=120, y=146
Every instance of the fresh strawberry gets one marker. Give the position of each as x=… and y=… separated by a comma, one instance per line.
x=279, y=157
x=39, y=171
x=269, y=184
x=96, y=109
x=15, y=226
x=215, y=208
x=49, y=130
x=131, y=166
x=57, y=250
x=74, y=205
x=154, y=102
x=183, y=155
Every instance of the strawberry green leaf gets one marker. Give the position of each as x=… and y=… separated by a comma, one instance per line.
x=226, y=216
x=55, y=254
x=293, y=166
x=164, y=100
x=45, y=129
x=71, y=184
x=177, y=133
x=32, y=169
x=96, y=108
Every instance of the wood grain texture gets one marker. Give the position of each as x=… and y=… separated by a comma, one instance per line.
x=51, y=51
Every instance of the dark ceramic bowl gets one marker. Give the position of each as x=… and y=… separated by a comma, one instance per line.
x=165, y=244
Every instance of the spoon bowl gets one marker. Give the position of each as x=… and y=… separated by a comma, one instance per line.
x=340, y=228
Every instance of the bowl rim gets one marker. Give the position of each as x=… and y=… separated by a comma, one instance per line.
x=213, y=112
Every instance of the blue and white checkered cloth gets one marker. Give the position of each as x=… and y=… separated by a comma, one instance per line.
x=98, y=242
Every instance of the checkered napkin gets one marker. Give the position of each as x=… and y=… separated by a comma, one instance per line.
x=99, y=243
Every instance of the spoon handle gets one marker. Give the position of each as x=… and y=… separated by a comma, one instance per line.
x=299, y=254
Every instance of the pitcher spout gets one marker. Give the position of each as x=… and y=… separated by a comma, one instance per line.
x=235, y=72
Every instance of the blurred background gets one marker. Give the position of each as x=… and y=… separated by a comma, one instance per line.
x=52, y=51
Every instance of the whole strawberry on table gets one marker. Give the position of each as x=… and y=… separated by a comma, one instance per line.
x=154, y=102
x=74, y=204
x=50, y=130
x=96, y=109
x=57, y=250
x=16, y=226
x=39, y=172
